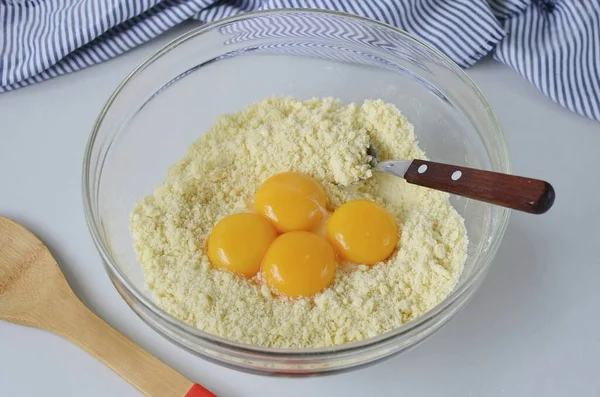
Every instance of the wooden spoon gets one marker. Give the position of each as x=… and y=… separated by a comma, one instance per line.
x=34, y=292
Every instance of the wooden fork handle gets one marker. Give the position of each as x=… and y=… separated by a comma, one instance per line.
x=519, y=193
x=147, y=373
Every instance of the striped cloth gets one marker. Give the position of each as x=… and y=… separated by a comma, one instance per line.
x=555, y=44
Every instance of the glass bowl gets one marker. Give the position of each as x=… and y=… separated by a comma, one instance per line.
x=169, y=100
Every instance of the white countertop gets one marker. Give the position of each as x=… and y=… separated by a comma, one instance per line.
x=533, y=329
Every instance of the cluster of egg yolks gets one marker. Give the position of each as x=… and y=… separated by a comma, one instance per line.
x=362, y=232
x=239, y=242
x=299, y=264
x=292, y=201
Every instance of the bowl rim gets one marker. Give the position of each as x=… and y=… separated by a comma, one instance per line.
x=412, y=326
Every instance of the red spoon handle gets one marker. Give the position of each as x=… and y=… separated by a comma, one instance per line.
x=198, y=391
x=523, y=194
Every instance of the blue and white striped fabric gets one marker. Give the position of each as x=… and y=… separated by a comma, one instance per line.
x=555, y=44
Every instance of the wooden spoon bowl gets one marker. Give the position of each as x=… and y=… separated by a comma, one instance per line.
x=34, y=292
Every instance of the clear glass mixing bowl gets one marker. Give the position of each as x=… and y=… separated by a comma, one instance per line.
x=168, y=101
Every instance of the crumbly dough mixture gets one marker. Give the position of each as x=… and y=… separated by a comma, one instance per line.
x=328, y=140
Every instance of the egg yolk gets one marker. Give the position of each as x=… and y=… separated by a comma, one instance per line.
x=292, y=201
x=238, y=243
x=299, y=264
x=362, y=232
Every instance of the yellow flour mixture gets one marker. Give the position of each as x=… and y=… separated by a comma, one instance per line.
x=327, y=140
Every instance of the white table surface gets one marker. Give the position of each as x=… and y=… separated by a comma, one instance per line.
x=533, y=329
